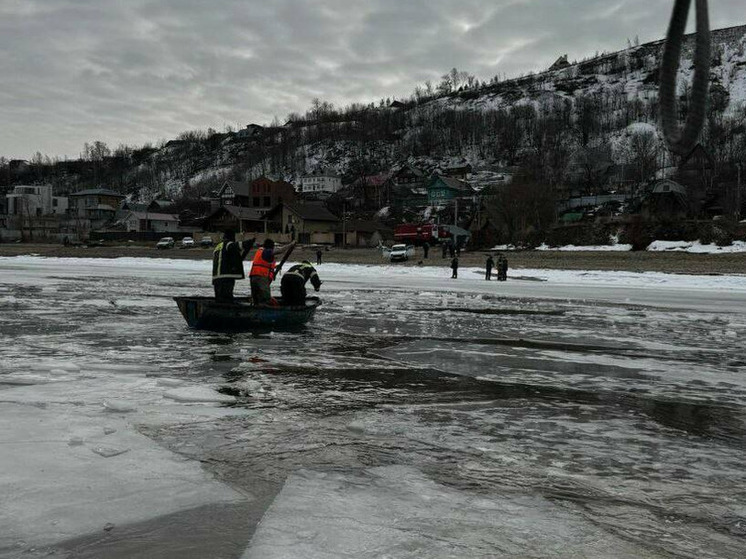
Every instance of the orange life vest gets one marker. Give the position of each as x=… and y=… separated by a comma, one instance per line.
x=260, y=267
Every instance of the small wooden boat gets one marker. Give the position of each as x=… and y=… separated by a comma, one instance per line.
x=241, y=315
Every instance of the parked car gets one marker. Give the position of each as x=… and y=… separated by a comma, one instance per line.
x=187, y=242
x=401, y=253
x=205, y=241
x=165, y=242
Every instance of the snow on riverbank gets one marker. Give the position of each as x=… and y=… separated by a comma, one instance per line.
x=692, y=247
x=588, y=248
x=695, y=247
x=331, y=272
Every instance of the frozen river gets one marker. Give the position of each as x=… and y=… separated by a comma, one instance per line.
x=562, y=414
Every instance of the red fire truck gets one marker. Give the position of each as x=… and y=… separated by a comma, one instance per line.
x=421, y=233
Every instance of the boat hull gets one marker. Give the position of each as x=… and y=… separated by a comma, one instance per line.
x=240, y=315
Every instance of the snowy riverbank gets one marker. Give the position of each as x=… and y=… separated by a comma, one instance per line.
x=177, y=268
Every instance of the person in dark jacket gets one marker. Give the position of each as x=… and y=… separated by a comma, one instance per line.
x=425, y=249
x=293, y=284
x=502, y=268
x=318, y=256
x=227, y=265
x=454, y=267
x=488, y=268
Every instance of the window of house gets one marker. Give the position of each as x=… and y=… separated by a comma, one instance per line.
x=267, y=201
x=255, y=201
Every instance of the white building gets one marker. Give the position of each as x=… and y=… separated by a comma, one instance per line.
x=320, y=182
x=59, y=205
x=30, y=200
x=150, y=221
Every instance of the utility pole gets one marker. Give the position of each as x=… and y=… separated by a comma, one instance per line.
x=738, y=193
x=344, y=223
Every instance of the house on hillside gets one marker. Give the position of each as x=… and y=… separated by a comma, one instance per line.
x=371, y=190
x=95, y=204
x=310, y=222
x=160, y=205
x=129, y=206
x=462, y=172
x=261, y=193
x=236, y=218
x=30, y=200
x=251, y=132
x=667, y=199
x=321, y=184
x=409, y=176
x=150, y=221
x=441, y=190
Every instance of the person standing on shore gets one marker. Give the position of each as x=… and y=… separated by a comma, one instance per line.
x=318, y=256
x=454, y=267
x=425, y=249
x=502, y=268
x=227, y=265
x=488, y=268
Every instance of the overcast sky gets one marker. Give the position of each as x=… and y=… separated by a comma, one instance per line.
x=137, y=71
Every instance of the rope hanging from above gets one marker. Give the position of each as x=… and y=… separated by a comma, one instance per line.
x=678, y=141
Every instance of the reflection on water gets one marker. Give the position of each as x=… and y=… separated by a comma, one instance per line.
x=630, y=417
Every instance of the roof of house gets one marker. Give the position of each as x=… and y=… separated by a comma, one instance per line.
x=311, y=211
x=151, y=216
x=322, y=173
x=134, y=207
x=239, y=188
x=667, y=186
x=239, y=212
x=459, y=170
x=450, y=182
x=97, y=192
x=373, y=180
x=413, y=170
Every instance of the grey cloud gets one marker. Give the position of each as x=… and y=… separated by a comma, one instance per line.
x=142, y=70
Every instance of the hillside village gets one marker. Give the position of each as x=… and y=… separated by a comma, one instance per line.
x=570, y=155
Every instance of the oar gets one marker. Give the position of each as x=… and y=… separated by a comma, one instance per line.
x=285, y=257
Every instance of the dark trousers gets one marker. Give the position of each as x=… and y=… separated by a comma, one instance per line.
x=455, y=273
x=488, y=274
x=293, y=289
x=224, y=289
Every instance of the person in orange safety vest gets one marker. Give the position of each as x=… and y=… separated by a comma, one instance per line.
x=263, y=272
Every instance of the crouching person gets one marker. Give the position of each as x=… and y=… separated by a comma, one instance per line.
x=293, y=284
